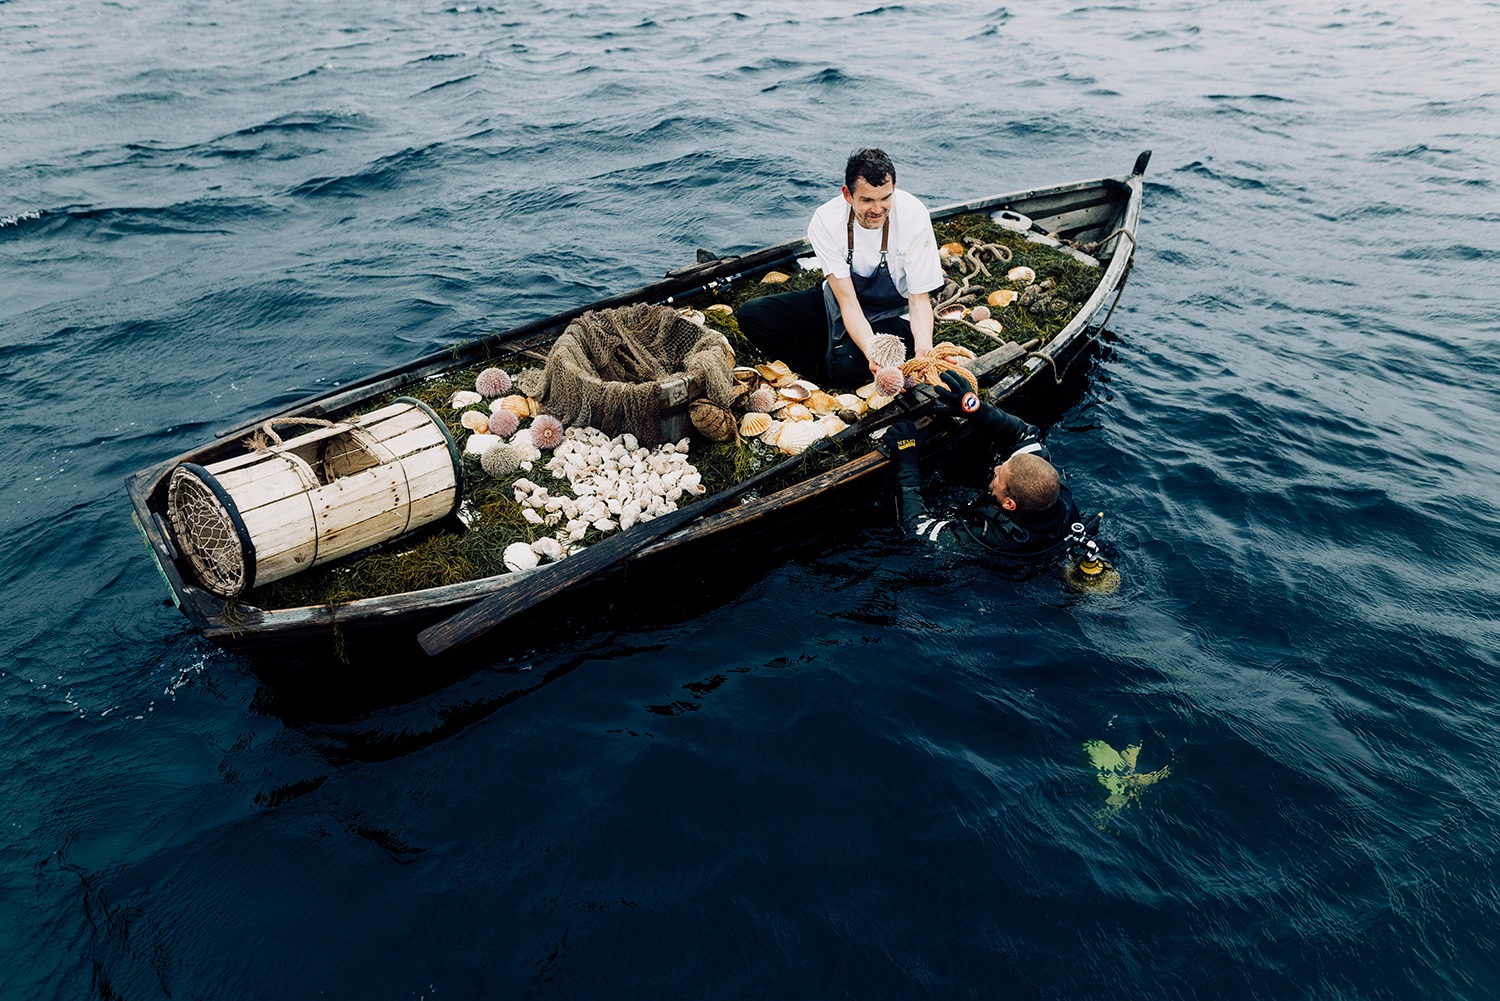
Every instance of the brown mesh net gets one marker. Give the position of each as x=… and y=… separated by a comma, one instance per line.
x=608, y=367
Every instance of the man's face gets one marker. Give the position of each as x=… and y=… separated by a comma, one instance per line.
x=998, y=485
x=871, y=203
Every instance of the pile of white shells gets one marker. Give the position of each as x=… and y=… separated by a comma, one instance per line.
x=616, y=483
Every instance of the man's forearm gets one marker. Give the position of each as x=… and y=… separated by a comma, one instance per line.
x=919, y=308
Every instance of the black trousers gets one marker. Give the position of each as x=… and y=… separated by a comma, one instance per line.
x=793, y=326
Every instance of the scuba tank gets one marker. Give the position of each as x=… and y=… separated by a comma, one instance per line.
x=1089, y=572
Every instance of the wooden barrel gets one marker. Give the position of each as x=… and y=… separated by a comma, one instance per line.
x=264, y=515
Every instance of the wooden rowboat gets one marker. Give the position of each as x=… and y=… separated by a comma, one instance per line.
x=1099, y=216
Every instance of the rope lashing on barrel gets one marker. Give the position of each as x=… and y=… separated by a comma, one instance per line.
x=258, y=441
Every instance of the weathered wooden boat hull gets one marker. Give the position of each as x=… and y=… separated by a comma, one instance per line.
x=1104, y=211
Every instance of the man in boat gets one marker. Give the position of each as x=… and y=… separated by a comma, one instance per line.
x=1028, y=512
x=880, y=263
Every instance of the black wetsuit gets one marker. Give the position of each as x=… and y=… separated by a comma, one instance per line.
x=983, y=525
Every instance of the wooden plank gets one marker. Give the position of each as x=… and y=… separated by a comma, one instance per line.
x=270, y=479
x=743, y=514
x=345, y=539
x=397, y=420
x=283, y=564
x=426, y=438
x=386, y=413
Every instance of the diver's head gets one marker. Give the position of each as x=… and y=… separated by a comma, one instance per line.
x=1025, y=482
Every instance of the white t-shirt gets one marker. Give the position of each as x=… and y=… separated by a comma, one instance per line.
x=911, y=252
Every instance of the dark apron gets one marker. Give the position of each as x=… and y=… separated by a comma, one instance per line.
x=878, y=298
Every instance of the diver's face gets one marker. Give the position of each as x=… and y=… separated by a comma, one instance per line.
x=998, y=487
x=871, y=203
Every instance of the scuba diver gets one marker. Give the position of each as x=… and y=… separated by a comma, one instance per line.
x=1028, y=513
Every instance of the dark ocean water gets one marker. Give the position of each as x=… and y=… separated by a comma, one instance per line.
x=842, y=772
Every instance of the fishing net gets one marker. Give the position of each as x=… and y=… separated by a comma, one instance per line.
x=608, y=368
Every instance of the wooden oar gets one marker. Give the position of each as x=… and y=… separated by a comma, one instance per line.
x=490, y=611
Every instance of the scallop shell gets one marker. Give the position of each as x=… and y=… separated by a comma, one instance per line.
x=795, y=391
x=770, y=434
x=1021, y=274
x=474, y=420
x=777, y=373
x=548, y=547
x=719, y=307
x=464, y=398
x=823, y=403
x=519, y=556
x=715, y=422
x=519, y=405
x=866, y=391
x=852, y=401
x=692, y=315
x=1003, y=298
x=745, y=373
x=795, y=412
x=877, y=401
x=754, y=424
x=795, y=436
x=953, y=249
x=831, y=425
x=992, y=325
x=774, y=277
x=951, y=313
x=478, y=443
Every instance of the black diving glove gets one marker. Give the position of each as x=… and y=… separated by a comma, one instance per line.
x=961, y=401
x=958, y=396
x=900, y=442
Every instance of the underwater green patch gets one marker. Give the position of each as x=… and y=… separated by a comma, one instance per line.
x=1117, y=773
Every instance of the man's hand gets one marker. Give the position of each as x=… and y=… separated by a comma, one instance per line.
x=900, y=442
x=955, y=394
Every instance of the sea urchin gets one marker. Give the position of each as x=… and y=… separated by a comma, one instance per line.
x=500, y=460
x=492, y=382
x=546, y=432
x=504, y=423
x=889, y=381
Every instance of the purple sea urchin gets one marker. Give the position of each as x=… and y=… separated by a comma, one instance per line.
x=546, y=432
x=762, y=400
x=492, y=382
x=889, y=381
x=504, y=423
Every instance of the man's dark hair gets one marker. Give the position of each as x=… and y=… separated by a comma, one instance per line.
x=871, y=164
